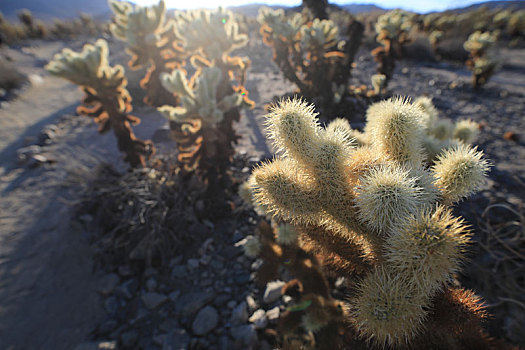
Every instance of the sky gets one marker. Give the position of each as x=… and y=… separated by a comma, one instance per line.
x=421, y=6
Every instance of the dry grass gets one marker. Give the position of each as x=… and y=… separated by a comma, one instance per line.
x=499, y=272
x=143, y=215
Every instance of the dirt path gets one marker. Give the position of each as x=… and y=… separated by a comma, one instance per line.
x=47, y=288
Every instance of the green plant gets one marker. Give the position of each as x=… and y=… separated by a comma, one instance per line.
x=392, y=30
x=311, y=54
x=211, y=100
x=152, y=41
x=377, y=215
x=481, y=62
x=107, y=99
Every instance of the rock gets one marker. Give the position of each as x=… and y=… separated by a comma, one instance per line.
x=221, y=300
x=151, y=284
x=259, y=319
x=177, y=339
x=152, y=300
x=273, y=291
x=107, y=326
x=25, y=153
x=97, y=345
x=178, y=271
x=224, y=343
x=252, y=305
x=37, y=160
x=273, y=314
x=190, y=303
x=174, y=295
x=246, y=334
x=231, y=304
x=109, y=283
x=206, y=320
x=241, y=278
x=150, y=271
x=129, y=288
x=193, y=264
x=176, y=260
x=240, y=314
x=124, y=271
x=111, y=305
x=129, y=338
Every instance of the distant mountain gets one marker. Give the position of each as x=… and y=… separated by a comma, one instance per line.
x=48, y=9
x=251, y=10
x=519, y=4
x=360, y=8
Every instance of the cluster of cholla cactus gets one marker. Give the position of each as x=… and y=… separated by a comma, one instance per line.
x=211, y=99
x=377, y=214
x=392, y=30
x=107, y=99
x=152, y=41
x=311, y=54
x=481, y=62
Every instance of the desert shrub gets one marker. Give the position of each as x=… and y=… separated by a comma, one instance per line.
x=312, y=54
x=10, y=77
x=107, y=99
x=211, y=99
x=481, y=62
x=392, y=30
x=376, y=214
x=152, y=41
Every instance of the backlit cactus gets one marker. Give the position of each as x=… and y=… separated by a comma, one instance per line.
x=392, y=30
x=214, y=33
x=152, y=41
x=376, y=214
x=481, y=62
x=107, y=99
x=312, y=54
x=211, y=100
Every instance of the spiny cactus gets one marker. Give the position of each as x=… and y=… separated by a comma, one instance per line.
x=212, y=33
x=312, y=54
x=392, y=30
x=377, y=215
x=107, y=99
x=152, y=41
x=481, y=62
x=210, y=101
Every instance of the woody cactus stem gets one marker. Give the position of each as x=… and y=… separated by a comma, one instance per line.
x=376, y=214
x=107, y=99
x=152, y=41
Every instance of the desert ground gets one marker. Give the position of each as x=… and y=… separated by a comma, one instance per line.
x=53, y=295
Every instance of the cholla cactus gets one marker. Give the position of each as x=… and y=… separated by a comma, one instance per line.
x=107, y=99
x=312, y=54
x=442, y=134
x=481, y=61
x=392, y=30
x=215, y=33
x=210, y=101
x=151, y=40
x=375, y=214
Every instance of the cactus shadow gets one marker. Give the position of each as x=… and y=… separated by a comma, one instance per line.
x=47, y=288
